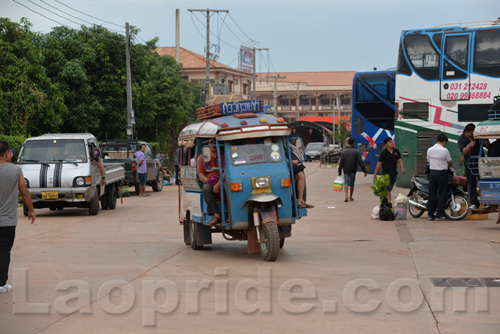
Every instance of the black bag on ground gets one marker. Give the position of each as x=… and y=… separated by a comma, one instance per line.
x=385, y=212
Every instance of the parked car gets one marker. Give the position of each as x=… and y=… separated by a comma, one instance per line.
x=60, y=171
x=122, y=151
x=313, y=151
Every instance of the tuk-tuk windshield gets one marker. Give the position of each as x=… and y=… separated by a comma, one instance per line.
x=255, y=151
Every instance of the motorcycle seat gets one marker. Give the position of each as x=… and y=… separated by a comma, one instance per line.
x=422, y=181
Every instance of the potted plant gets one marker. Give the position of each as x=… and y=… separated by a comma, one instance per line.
x=380, y=186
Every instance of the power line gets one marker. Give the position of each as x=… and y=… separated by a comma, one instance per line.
x=65, y=12
x=48, y=18
x=48, y=10
x=76, y=10
x=239, y=27
x=231, y=46
x=91, y=23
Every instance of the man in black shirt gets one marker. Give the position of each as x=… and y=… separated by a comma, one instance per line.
x=388, y=160
x=470, y=148
x=349, y=160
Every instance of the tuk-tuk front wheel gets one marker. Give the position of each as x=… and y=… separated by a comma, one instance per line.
x=270, y=241
x=194, y=235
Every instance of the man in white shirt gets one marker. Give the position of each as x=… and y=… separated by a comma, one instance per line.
x=439, y=160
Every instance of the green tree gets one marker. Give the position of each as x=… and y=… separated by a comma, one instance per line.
x=29, y=101
x=342, y=131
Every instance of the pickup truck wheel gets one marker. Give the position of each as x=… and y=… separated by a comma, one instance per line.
x=104, y=202
x=94, y=206
x=137, y=189
x=158, y=185
x=111, y=198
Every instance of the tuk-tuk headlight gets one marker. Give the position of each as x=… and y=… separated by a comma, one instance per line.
x=262, y=182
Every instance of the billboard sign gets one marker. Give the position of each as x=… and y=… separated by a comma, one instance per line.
x=246, y=60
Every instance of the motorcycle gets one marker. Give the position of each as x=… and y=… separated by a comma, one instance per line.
x=456, y=206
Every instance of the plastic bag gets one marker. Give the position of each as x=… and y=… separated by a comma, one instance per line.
x=385, y=212
x=375, y=211
x=338, y=184
x=401, y=199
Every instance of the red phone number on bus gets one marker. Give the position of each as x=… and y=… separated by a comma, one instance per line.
x=472, y=86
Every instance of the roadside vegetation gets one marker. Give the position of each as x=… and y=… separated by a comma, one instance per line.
x=75, y=81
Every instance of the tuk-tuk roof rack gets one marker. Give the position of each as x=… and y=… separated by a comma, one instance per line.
x=229, y=108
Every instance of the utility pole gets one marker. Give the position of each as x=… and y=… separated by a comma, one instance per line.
x=130, y=117
x=298, y=99
x=253, y=77
x=208, y=13
x=177, y=36
x=275, y=78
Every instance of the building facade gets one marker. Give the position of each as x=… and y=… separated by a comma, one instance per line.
x=298, y=95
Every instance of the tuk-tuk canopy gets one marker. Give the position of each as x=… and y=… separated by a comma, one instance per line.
x=487, y=130
x=237, y=126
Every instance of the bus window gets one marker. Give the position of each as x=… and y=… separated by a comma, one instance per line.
x=423, y=56
x=487, y=53
x=418, y=110
x=456, y=49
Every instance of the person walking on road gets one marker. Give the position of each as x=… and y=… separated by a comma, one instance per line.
x=439, y=160
x=388, y=160
x=349, y=160
x=142, y=169
x=12, y=181
x=470, y=147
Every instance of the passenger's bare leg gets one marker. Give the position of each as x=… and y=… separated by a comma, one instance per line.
x=351, y=190
x=300, y=183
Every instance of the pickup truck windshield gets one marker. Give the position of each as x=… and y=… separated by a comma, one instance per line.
x=54, y=150
x=255, y=151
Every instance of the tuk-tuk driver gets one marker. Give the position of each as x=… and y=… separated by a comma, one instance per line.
x=211, y=180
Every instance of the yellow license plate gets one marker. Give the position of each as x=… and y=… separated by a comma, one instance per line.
x=49, y=195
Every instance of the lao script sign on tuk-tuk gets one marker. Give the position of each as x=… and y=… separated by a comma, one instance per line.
x=257, y=199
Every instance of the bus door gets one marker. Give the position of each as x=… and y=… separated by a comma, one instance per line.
x=455, y=67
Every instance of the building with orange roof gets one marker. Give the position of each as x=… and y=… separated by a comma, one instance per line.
x=295, y=95
x=193, y=68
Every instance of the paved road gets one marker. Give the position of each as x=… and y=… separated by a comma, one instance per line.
x=128, y=271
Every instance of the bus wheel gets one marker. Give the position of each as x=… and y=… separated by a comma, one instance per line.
x=270, y=240
x=194, y=235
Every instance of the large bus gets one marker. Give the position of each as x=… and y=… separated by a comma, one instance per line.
x=446, y=77
x=373, y=113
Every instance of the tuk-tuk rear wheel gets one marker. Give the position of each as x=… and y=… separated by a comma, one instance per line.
x=270, y=241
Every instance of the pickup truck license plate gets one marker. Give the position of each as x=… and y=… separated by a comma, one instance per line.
x=49, y=195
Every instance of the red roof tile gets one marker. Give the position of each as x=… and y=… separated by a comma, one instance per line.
x=190, y=59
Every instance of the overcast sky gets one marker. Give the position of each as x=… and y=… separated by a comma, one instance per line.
x=302, y=36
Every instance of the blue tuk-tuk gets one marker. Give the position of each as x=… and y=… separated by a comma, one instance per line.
x=488, y=166
x=257, y=200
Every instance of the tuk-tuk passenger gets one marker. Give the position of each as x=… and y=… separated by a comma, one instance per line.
x=211, y=180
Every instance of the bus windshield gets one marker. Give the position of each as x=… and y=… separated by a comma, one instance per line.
x=54, y=150
x=255, y=151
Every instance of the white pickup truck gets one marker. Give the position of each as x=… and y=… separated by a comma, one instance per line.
x=61, y=170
